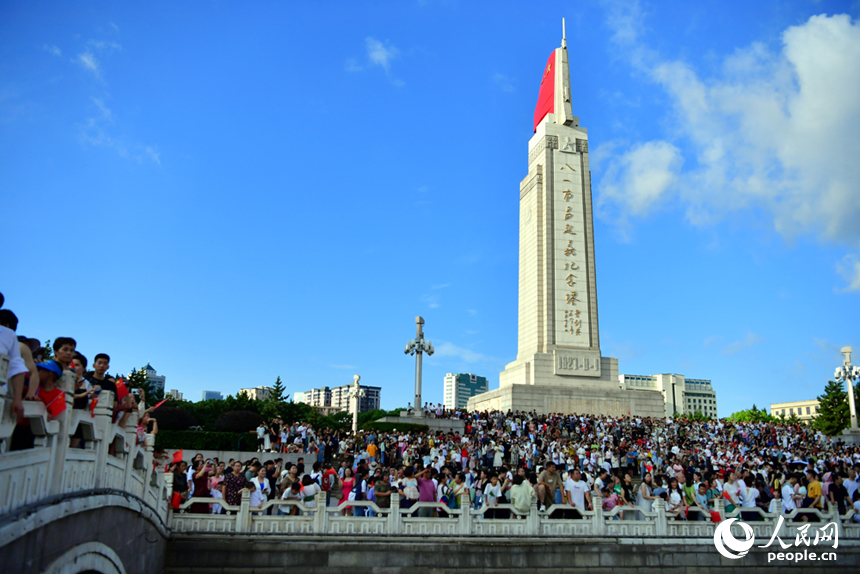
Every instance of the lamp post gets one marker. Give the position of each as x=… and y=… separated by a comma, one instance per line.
x=356, y=393
x=418, y=346
x=849, y=374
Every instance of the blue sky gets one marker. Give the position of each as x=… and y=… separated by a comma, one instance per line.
x=235, y=192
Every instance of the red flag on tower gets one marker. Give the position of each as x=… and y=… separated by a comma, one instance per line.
x=546, y=97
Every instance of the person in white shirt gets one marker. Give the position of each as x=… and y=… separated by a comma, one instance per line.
x=576, y=492
x=218, y=493
x=789, y=496
x=17, y=368
x=261, y=489
x=850, y=483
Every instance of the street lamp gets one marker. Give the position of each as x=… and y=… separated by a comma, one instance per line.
x=849, y=374
x=418, y=346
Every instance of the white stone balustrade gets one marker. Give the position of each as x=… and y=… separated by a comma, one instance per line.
x=320, y=519
x=52, y=469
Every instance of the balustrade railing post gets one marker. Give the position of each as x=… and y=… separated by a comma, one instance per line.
x=533, y=519
x=466, y=516
x=243, y=517
x=320, y=514
x=598, y=523
x=834, y=517
x=61, y=441
x=661, y=527
x=394, y=515
x=777, y=512
x=103, y=413
x=132, y=447
x=168, y=489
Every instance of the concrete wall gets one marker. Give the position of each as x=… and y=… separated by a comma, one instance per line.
x=259, y=554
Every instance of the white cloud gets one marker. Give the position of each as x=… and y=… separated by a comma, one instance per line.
x=88, y=61
x=849, y=269
x=379, y=53
x=153, y=154
x=106, y=113
x=352, y=65
x=440, y=286
x=96, y=131
x=102, y=45
x=774, y=130
x=431, y=301
x=467, y=355
x=51, y=49
x=712, y=340
x=637, y=179
x=504, y=82
x=747, y=342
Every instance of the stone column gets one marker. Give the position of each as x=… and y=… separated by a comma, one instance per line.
x=103, y=427
x=393, y=526
x=598, y=523
x=466, y=516
x=533, y=519
x=243, y=517
x=661, y=526
x=320, y=514
x=60, y=442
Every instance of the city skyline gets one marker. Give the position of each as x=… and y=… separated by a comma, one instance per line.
x=323, y=177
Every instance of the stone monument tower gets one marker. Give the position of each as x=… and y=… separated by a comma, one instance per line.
x=559, y=367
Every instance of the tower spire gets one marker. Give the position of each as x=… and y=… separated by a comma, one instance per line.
x=563, y=35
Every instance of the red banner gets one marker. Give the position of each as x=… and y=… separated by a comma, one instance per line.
x=158, y=404
x=177, y=456
x=546, y=96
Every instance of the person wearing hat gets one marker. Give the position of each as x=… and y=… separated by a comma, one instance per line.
x=48, y=392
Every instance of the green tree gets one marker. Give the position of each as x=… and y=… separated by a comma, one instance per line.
x=136, y=379
x=833, y=413
x=753, y=415
x=277, y=395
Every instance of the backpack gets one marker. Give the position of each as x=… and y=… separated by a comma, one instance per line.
x=357, y=490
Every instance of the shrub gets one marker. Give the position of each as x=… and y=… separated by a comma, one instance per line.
x=387, y=427
x=238, y=421
x=174, y=418
x=199, y=440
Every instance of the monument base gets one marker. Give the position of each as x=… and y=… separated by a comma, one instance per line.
x=568, y=399
x=850, y=436
x=444, y=425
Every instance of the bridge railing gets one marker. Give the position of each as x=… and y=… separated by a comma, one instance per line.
x=111, y=457
x=502, y=520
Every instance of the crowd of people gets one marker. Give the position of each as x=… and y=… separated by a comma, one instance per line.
x=34, y=376
x=567, y=461
x=571, y=462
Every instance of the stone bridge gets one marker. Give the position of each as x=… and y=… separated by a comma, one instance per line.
x=104, y=509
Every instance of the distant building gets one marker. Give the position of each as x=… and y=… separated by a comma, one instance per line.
x=805, y=410
x=680, y=395
x=460, y=387
x=212, y=396
x=174, y=394
x=327, y=400
x=258, y=393
x=156, y=382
